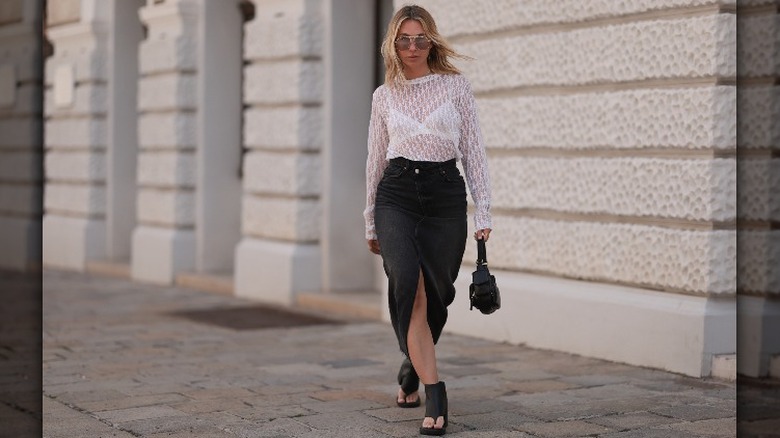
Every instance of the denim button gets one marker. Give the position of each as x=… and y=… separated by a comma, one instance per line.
x=416, y=170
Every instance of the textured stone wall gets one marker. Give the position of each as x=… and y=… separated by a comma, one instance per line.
x=76, y=134
x=759, y=143
x=282, y=139
x=21, y=142
x=166, y=116
x=610, y=129
x=283, y=122
x=62, y=12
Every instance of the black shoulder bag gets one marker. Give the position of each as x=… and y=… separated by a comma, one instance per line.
x=483, y=291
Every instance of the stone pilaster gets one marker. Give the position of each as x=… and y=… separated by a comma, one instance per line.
x=279, y=253
x=74, y=222
x=163, y=243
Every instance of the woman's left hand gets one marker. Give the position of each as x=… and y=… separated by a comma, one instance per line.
x=484, y=233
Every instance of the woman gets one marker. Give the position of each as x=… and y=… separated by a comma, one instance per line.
x=423, y=119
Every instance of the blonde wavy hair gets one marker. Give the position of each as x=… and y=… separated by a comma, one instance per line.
x=440, y=52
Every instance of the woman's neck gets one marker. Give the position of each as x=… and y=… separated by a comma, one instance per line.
x=417, y=73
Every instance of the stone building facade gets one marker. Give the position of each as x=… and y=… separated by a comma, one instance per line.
x=222, y=143
x=21, y=140
x=758, y=142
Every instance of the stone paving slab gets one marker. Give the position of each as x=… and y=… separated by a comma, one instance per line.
x=61, y=421
x=118, y=361
x=564, y=428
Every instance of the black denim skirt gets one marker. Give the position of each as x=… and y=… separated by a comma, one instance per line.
x=420, y=219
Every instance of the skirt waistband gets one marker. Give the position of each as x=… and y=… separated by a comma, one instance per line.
x=422, y=165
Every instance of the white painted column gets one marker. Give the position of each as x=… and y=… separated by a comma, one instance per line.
x=122, y=120
x=279, y=253
x=21, y=143
x=76, y=139
x=164, y=241
x=219, y=79
x=349, y=59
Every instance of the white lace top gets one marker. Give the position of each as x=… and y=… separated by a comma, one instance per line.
x=431, y=118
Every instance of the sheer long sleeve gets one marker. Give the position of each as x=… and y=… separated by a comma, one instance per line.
x=378, y=140
x=431, y=118
x=473, y=154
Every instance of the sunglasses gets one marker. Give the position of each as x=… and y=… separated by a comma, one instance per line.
x=405, y=42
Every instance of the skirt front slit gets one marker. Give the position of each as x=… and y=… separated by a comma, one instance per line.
x=420, y=218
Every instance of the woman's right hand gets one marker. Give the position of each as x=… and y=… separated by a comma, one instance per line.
x=373, y=246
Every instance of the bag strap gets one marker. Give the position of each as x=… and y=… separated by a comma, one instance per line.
x=481, y=253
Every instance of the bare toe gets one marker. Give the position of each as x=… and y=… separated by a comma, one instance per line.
x=407, y=398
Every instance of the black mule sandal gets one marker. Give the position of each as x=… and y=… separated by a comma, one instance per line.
x=435, y=407
x=410, y=383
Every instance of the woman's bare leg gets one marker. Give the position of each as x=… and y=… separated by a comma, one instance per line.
x=419, y=341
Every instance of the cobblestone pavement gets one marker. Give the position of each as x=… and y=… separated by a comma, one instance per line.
x=119, y=362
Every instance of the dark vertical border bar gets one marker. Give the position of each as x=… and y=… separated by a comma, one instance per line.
x=21, y=316
x=758, y=386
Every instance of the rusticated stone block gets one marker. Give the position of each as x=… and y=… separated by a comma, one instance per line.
x=89, y=99
x=293, y=81
x=466, y=17
x=281, y=218
x=21, y=166
x=62, y=11
x=696, y=261
x=759, y=111
x=643, y=50
x=283, y=28
x=758, y=259
x=87, y=166
x=753, y=3
x=167, y=91
x=171, y=43
x=759, y=45
x=27, y=102
x=11, y=12
x=282, y=173
x=89, y=65
x=20, y=199
x=20, y=132
x=84, y=199
x=175, y=208
x=283, y=128
x=689, y=118
x=166, y=169
x=692, y=189
x=173, y=130
x=76, y=133
x=175, y=53
x=24, y=52
x=61, y=231
x=759, y=198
